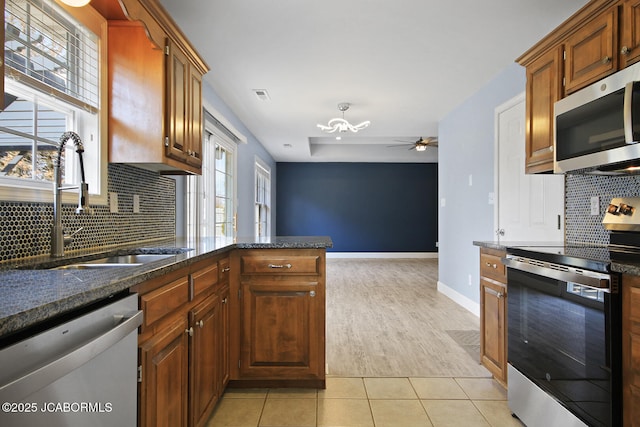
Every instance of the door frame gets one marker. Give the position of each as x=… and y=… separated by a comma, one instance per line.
x=520, y=98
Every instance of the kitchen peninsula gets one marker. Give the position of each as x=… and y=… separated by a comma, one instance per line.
x=241, y=312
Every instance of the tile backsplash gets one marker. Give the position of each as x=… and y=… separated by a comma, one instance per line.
x=581, y=226
x=26, y=227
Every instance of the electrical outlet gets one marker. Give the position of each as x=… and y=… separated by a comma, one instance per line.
x=113, y=202
x=595, y=205
x=136, y=203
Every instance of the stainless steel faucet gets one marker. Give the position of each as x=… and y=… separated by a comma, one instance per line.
x=58, y=237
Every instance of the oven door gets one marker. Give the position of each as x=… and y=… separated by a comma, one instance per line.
x=564, y=337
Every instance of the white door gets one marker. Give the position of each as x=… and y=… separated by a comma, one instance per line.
x=529, y=207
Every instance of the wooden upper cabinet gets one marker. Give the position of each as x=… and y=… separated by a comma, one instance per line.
x=630, y=33
x=155, y=90
x=591, y=52
x=544, y=78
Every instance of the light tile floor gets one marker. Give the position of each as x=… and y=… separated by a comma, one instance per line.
x=370, y=402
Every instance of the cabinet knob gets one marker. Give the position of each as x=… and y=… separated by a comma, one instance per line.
x=606, y=60
x=226, y=269
x=189, y=331
x=312, y=293
x=492, y=265
x=625, y=50
x=224, y=301
x=500, y=295
x=200, y=324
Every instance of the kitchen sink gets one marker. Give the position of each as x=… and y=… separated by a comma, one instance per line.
x=116, y=261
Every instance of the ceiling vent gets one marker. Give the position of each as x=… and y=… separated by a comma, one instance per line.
x=262, y=94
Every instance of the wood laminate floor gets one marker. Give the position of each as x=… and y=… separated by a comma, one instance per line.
x=385, y=318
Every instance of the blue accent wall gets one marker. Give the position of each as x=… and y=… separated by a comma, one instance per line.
x=363, y=207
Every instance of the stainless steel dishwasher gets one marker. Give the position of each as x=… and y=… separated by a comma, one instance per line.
x=79, y=373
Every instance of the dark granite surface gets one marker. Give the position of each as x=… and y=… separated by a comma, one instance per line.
x=31, y=292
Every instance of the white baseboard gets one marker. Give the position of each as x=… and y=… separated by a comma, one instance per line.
x=459, y=299
x=382, y=254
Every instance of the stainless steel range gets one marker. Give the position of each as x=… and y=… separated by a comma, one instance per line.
x=564, y=326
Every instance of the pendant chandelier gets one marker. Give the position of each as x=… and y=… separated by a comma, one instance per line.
x=341, y=124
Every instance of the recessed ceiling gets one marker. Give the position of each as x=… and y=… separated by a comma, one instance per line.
x=403, y=65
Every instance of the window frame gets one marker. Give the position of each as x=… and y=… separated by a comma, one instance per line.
x=261, y=168
x=194, y=191
x=43, y=191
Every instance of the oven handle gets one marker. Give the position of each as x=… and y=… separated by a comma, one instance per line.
x=591, y=279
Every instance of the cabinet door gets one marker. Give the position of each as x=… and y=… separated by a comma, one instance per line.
x=630, y=33
x=281, y=330
x=163, y=390
x=194, y=137
x=591, y=52
x=493, y=354
x=544, y=88
x=177, y=115
x=204, y=324
x=225, y=335
x=631, y=350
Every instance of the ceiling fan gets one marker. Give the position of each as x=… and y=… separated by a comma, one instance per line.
x=421, y=144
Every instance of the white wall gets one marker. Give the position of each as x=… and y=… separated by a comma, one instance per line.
x=466, y=177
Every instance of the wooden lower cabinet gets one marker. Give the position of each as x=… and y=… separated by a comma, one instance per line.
x=183, y=345
x=493, y=313
x=164, y=378
x=493, y=337
x=280, y=329
x=281, y=318
x=631, y=351
x=204, y=331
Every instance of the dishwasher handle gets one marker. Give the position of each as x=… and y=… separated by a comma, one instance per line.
x=20, y=388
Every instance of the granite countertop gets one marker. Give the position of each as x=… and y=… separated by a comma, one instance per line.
x=32, y=292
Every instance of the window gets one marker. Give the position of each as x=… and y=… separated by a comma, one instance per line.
x=211, y=197
x=262, y=200
x=52, y=85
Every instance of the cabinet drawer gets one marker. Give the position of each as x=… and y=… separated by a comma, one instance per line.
x=491, y=265
x=279, y=264
x=165, y=300
x=204, y=279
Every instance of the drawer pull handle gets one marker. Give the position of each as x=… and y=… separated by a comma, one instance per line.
x=492, y=265
x=287, y=266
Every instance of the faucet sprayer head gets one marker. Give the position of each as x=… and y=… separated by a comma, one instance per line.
x=83, y=192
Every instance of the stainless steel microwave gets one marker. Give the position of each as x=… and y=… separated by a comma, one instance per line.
x=597, y=129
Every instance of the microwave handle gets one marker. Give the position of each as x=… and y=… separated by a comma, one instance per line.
x=628, y=117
